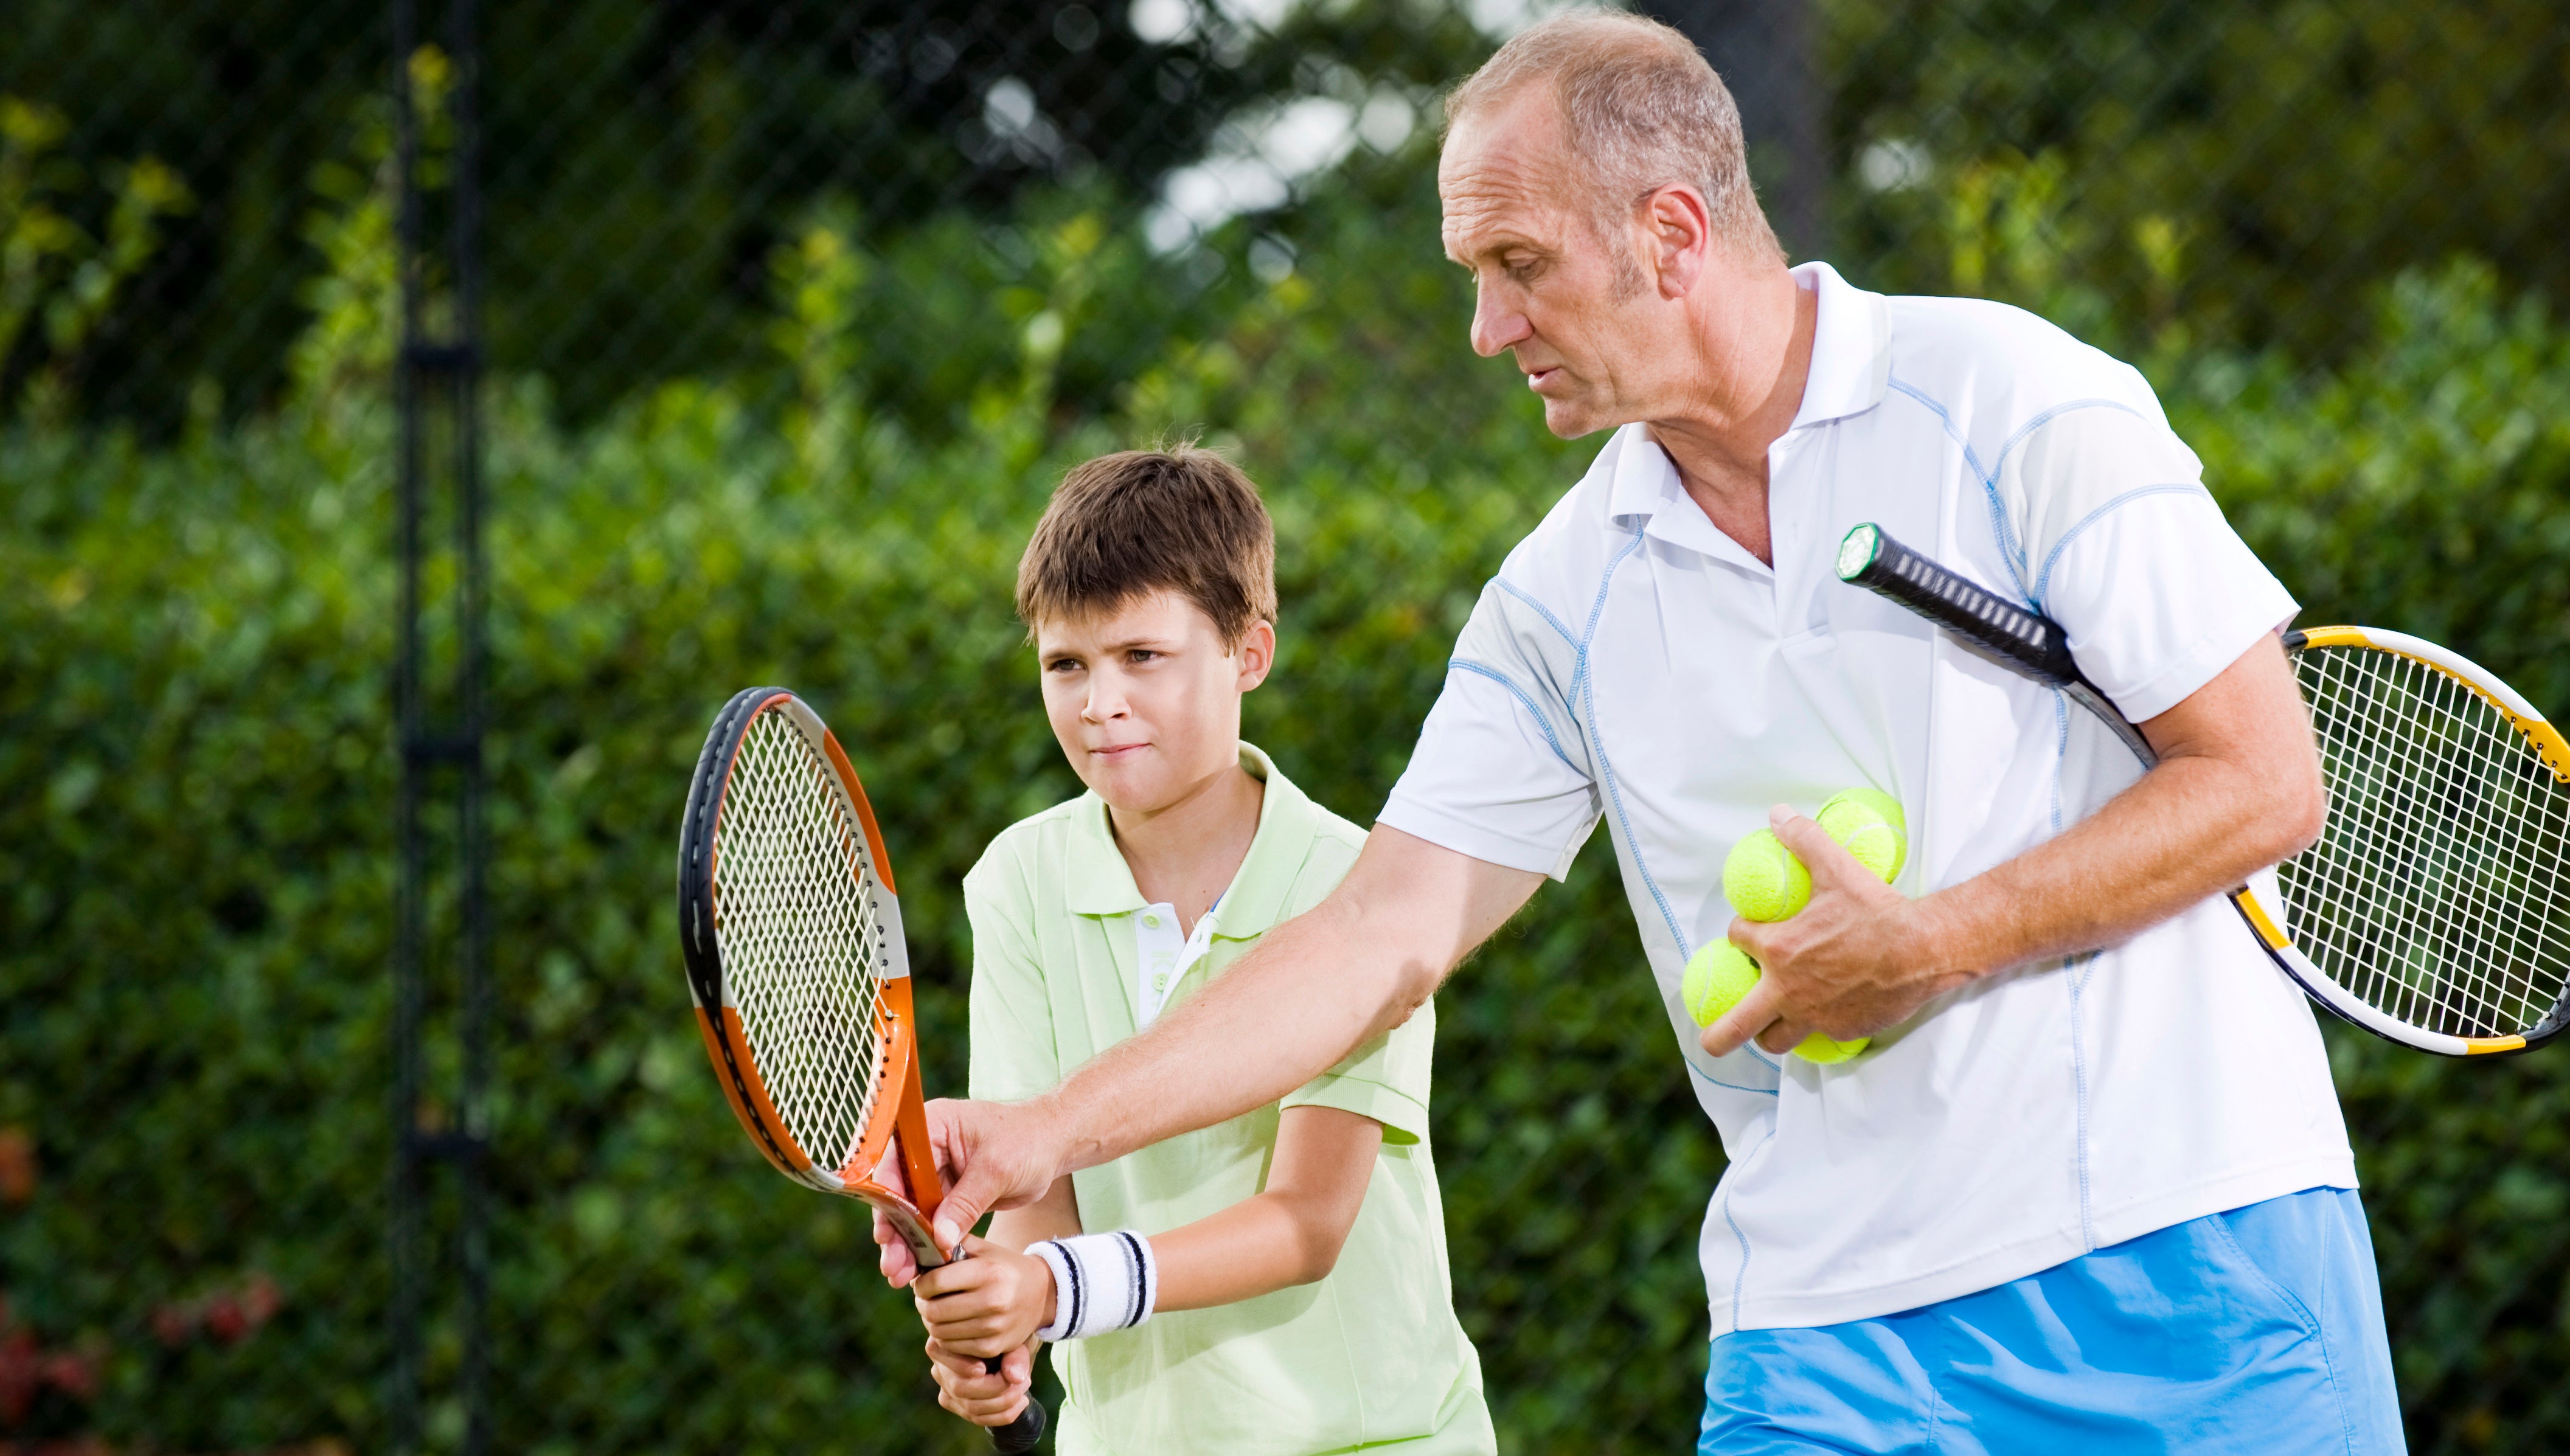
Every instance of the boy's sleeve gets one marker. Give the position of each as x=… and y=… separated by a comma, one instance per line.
x=1385, y=1079
x=1014, y=1052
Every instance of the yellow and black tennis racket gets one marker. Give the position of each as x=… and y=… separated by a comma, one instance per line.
x=2434, y=910
x=795, y=960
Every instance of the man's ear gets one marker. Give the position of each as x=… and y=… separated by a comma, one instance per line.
x=1257, y=653
x=1679, y=230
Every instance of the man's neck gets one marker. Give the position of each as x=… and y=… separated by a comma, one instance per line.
x=1756, y=358
x=1185, y=854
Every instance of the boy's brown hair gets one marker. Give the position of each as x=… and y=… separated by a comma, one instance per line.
x=1180, y=518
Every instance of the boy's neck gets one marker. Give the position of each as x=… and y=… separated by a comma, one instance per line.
x=1184, y=853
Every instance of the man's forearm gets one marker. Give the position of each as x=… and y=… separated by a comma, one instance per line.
x=1305, y=997
x=1313, y=989
x=2141, y=859
x=2238, y=788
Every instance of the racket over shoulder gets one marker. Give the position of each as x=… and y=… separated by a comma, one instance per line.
x=2434, y=910
x=791, y=934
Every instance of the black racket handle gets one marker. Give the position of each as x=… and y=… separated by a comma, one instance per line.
x=2031, y=642
x=2017, y=638
x=1023, y=1433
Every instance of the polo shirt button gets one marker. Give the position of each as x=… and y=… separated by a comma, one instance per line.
x=1159, y=982
x=1151, y=920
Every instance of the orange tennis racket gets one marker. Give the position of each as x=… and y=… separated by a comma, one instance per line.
x=802, y=980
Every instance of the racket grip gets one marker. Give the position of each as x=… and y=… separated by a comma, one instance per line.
x=2025, y=640
x=1023, y=1433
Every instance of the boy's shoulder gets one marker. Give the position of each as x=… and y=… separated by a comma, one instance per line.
x=1329, y=843
x=1014, y=860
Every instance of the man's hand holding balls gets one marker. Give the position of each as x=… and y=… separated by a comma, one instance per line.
x=1816, y=907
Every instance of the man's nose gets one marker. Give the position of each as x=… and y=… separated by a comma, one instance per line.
x=1497, y=322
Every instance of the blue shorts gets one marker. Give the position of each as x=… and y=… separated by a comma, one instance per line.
x=2259, y=1330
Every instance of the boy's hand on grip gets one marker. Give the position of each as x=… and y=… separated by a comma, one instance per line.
x=983, y=1397
x=986, y=1303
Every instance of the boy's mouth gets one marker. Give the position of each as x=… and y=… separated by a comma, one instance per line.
x=1115, y=752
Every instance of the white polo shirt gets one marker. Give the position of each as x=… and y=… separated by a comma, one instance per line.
x=1633, y=663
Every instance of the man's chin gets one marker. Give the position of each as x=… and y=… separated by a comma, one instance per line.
x=1568, y=418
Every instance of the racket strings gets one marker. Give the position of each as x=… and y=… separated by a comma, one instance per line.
x=2436, y=892
x=797, y=923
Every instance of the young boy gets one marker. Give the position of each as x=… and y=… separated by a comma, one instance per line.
x=1291, y=1263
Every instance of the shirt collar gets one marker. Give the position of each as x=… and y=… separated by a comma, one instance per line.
x=1101, y=884
x=1851, y=349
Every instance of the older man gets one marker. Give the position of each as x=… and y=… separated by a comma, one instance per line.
x=2090, y=1185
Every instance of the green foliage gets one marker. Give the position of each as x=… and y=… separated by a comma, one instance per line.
x=50, y=269
x=2298, y=151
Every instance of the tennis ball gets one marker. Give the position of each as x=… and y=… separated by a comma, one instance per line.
x=1821, y=1049
x=1870, y=824
x=1721, y=974
x=1716, y=978
x=1761, y=879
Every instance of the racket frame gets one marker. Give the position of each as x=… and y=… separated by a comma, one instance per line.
x=718, y=1018
x=909, y=1208
x=2033, y=645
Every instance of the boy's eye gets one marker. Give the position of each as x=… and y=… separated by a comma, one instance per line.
x=1062, y=665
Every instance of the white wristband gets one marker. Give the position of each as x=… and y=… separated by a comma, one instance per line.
x=1100, y=1282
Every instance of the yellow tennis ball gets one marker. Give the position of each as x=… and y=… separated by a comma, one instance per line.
x=1870, y=824
x=1716, y=978
x=1720, y=973
x=1821, y=1049
x=1763, y=880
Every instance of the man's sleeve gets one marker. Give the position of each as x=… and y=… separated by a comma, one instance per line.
x=1502, y=770
x=1014, y=1053
x=2128, y=552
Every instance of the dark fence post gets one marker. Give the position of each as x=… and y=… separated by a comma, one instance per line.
x=1764, y=51
x=439, y=717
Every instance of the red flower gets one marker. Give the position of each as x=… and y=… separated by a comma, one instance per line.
x=225, y=1320
x=71, y=1375
x=260, y=1299
x=17, y=1165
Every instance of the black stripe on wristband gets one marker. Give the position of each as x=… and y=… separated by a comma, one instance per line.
x=1133, y=1276
x=1079, y=1287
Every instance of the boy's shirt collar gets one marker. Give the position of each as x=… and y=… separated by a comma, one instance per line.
x=1101, y=884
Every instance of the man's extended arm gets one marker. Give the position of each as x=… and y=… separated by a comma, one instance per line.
x=2238, y=788
x=1312, y=990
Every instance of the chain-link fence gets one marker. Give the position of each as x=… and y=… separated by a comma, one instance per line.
x=793, y=312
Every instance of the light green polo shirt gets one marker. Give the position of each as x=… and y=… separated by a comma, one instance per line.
x=1371, y=1355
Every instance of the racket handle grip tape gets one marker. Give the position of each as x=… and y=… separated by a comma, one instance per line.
x=1023, y=1433
x=2018, y=638
x=2029, y=643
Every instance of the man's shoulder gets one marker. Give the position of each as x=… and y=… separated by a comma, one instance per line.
x=1559, y=565
x=1991, y=367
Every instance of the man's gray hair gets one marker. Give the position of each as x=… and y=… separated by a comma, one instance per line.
x=1640, y=109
